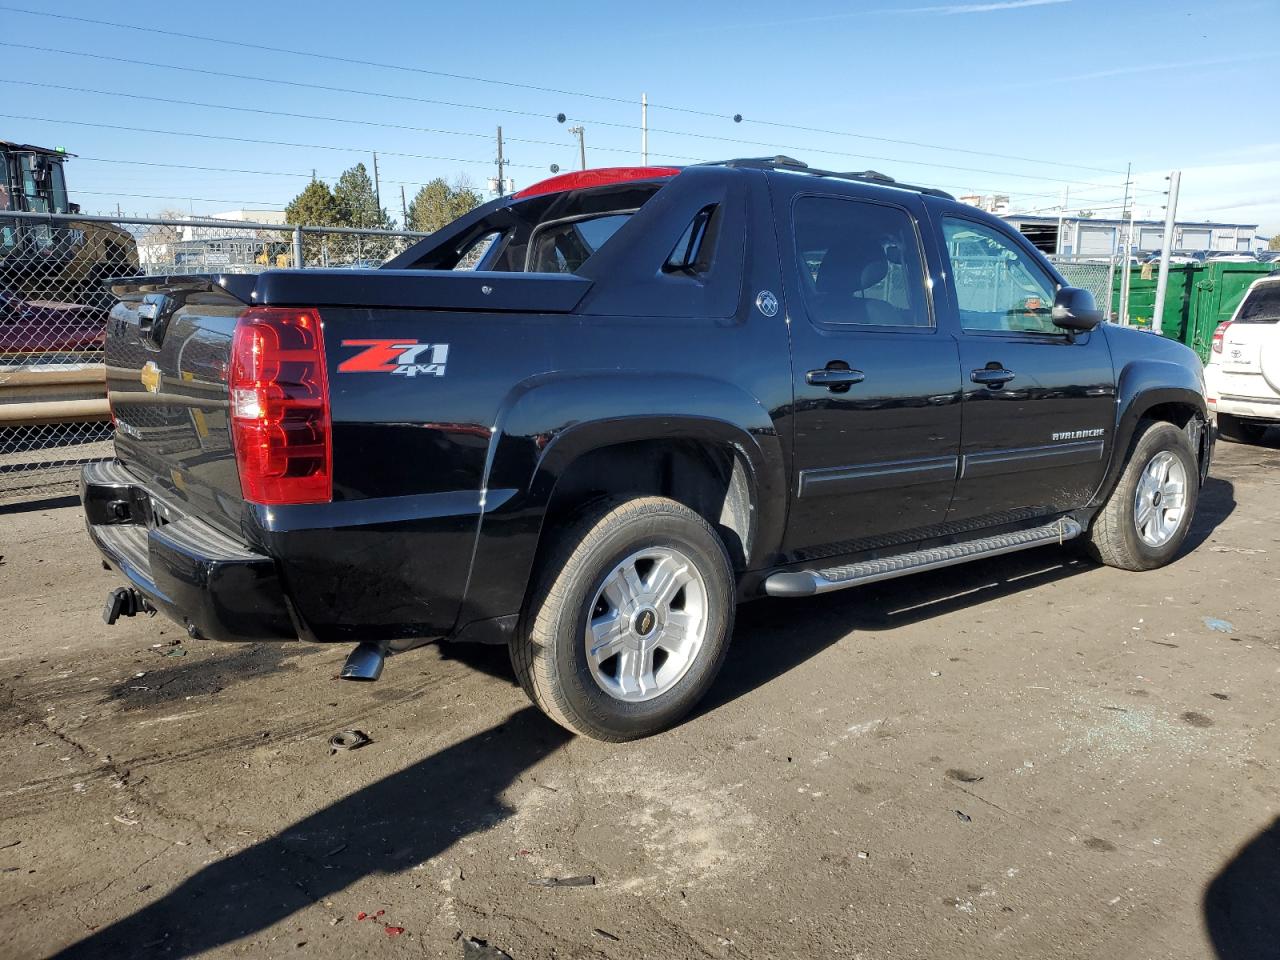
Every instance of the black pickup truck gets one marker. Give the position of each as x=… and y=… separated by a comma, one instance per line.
x=587, y=419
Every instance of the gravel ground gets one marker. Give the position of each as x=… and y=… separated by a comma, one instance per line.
x=1030, y=756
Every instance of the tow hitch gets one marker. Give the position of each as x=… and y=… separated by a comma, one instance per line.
x=126, y=602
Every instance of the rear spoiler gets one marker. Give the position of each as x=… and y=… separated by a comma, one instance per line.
x=488, y=291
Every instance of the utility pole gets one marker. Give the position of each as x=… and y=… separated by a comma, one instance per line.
x=377, y=185
x=644, y=129
x=1162, y=284
x=404, y=210
x=1127, y=277
x=580, y=133
x=502, y=188
x=1066, y=194
x=1115, y=245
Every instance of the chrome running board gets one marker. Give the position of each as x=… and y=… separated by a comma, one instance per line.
x=805, y=583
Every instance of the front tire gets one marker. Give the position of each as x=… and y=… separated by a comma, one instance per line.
x=1145, y=520
x=1240, y=431
x=629, y=620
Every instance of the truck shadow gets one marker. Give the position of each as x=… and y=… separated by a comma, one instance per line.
x=775, y=636
x=387, y=827
x=1240, y=904
x=1217, y=502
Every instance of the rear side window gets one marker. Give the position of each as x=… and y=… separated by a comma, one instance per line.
x=1261, y=306
x=474, y=254
x=564, y=246
x=696, y=247
x=859, y=264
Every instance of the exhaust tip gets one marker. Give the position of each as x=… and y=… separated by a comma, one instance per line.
x=363, y=663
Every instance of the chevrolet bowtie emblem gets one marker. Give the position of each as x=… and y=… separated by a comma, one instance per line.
x=150, y=376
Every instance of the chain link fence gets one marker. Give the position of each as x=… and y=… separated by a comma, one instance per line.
x=53, y=315
x=1095, y=274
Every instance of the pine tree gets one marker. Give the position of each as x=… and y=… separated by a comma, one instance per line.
x=438, y=204
x=315, y=206
x=358, y=203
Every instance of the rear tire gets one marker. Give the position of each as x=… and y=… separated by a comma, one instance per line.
x=1240, y=431
x=1145, y=520
x=647, y=578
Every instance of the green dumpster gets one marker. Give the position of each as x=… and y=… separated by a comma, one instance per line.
x=1199, y=297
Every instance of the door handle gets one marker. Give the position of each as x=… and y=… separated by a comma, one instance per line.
x=993, y=375
x=835, y=379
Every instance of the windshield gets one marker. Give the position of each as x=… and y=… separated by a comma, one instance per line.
x=1262, y=305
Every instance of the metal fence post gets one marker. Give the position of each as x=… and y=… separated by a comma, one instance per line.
x=1170, y=222
x=298, y=261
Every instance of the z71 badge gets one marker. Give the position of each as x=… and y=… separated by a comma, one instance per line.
x=409, y=358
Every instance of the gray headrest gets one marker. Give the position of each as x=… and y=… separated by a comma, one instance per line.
x=852, y=264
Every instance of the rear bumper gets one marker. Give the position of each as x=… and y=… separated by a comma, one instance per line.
x=1253, y=408
x=214, y=586
x=1240, y=395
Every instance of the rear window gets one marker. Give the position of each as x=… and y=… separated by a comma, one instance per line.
x=1261, y=306
x=564, y=246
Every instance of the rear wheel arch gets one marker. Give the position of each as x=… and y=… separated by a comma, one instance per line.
x=710, y=476
x=707, y=438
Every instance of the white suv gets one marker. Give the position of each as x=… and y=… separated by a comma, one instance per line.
x=1242, y=379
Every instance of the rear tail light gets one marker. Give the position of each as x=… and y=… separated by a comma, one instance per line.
x=1218, y=334
x=280, y=406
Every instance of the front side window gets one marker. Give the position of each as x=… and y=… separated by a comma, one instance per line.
x=859, y=264
x=564, y=247
x=999, y=287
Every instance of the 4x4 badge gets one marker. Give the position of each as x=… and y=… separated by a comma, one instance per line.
x=767, y=303
x=409, y=358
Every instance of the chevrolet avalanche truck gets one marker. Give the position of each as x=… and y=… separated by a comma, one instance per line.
x=586, y=420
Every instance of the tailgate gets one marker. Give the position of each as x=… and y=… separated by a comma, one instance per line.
x=168, y=346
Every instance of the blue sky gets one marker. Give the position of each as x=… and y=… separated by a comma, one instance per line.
x=1025, y=97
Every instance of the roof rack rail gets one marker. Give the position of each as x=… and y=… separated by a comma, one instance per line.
x=782, y=162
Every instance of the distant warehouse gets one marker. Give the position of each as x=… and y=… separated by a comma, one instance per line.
x=1096, y=236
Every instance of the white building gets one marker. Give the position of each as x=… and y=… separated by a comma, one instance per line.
x=1095, y=236
x=195, y=247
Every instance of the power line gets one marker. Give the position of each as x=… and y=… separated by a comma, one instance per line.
x=152, y=196
x=262, y=173
x=282, y=113
x=293, y=83
x=542, y=89
x=323, y=56
x=191, y=166
x=551, y=143
x=272, y=143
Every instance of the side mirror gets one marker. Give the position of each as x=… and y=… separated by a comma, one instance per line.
x=1074, y=310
